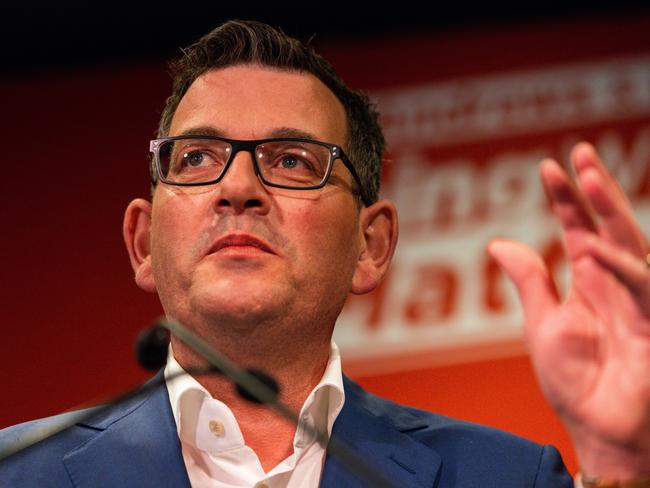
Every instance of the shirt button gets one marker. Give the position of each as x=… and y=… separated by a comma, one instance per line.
x=217, y=428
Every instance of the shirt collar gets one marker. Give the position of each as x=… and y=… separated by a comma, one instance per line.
x=209, y=425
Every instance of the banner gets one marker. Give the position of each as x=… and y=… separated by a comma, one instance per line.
x=463, y=169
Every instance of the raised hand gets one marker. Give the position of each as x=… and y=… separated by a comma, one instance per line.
x=591, y=349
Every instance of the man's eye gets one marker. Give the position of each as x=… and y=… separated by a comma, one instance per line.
x=194, y=158
x=289, y=162
x=294, y=162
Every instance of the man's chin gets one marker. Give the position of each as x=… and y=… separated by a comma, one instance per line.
x=239, y=296
x=236, y=305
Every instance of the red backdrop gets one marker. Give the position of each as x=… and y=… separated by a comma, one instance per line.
x=75, y=146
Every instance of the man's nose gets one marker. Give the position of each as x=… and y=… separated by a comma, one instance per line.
x=241, y=189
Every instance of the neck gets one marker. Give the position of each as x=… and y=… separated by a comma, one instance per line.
x=296, y=363
x=297, y=372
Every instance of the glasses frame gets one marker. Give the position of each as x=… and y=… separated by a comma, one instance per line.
x=335, y=152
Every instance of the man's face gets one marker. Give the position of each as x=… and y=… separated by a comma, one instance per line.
x=241, y=253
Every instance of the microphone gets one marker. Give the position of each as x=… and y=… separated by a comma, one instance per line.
x=151, y=348
x=151, y=353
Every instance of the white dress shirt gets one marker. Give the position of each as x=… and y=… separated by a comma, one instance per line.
x=213, y=447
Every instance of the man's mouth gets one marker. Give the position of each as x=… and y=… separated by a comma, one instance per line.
x=240, y=241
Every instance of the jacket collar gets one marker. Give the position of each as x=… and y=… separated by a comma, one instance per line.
x=143, y=429
x=376, y=430
x=136, y=445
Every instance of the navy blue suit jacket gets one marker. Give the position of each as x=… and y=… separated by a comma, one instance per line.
x=135, y=444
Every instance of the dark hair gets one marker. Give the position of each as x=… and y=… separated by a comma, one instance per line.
x=240, y=42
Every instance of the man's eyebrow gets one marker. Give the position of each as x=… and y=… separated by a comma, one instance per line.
x=292, y=132
x=275, y=133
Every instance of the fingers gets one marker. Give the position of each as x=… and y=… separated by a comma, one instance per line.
x=568, y=204
x=531, y=277
x=598, y=205
x=616, y=217
x=572, y=211
x=631, y=271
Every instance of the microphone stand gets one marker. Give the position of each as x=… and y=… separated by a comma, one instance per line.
x=252, y=384
x=40, y=433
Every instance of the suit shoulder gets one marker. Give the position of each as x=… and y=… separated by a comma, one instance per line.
x=21, y=447
x=469, y=451
x=19, y=450
x=493, y=447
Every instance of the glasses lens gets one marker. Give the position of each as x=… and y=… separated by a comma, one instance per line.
x=293, y=164
x=193, y=160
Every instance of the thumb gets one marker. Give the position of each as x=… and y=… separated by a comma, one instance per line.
x=530, y=275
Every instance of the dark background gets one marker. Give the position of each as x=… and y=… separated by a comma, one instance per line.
x=59, y=37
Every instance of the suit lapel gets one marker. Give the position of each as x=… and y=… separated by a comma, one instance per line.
x=381, y=444
x=136, y=446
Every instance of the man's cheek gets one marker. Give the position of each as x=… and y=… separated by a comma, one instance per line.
x=167, y=258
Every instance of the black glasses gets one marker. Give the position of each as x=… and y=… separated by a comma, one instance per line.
x=292, y=163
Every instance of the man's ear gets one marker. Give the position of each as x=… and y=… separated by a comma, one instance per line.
x=136, y=230
x=378, y=232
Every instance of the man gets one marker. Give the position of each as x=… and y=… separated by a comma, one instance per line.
x=264, y=216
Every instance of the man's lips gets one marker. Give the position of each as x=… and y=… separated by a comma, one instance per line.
x=240, y=240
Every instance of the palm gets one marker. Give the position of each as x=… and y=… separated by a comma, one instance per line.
x=592, y=358
x=591, y=351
